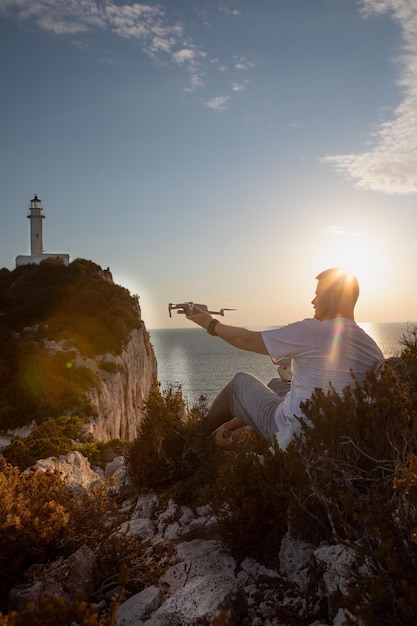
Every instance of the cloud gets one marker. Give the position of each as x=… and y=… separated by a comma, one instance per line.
x=239, y=86
x=60, y=16
x=390, y=165
x=184, y=55
x=218, y=103
x=163, y=40
x=160, y=39
x=243, y=64
x=228, y=11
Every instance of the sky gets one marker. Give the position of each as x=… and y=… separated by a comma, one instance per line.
x=217, y=151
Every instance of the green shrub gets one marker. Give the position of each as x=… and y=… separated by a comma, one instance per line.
x=352, y=478
x=100, y=453
x=50, y=438
x=345, y=463
x=166, y=449
x=250, y=498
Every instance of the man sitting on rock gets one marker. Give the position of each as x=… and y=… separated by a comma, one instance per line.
x=325, y=351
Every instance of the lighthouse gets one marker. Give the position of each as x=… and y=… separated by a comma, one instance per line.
x=37, y=254
x=36, y=215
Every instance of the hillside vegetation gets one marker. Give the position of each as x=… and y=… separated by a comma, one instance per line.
x=349, y=479
x=76, y=305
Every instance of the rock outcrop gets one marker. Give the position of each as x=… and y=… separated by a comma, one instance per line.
x=73, y=468
x=123, y=388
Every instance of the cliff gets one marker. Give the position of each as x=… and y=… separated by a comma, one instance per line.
x=119, y=397
x=74, y=343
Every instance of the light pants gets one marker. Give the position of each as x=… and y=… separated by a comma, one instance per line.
x=255, y=403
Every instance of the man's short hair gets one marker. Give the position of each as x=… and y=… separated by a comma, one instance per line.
x=343, y=281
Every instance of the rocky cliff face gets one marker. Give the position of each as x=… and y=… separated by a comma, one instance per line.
x=124, y=384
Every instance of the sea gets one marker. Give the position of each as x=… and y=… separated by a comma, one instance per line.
x=203, y=365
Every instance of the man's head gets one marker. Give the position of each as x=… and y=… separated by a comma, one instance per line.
x=336, y=294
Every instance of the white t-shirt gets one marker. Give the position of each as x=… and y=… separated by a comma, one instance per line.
x=321, y=352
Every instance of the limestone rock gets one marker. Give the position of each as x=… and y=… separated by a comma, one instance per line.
x=294, y=556
x=138, y=607
x=61, y=578
x=120, y=396
x=200, y=601
x=337, y=562
x=197, y=558
x=74, y=468
x=140, y=528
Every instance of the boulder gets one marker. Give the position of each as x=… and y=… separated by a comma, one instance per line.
x=62, y=578
x=139, y=607
x=294, y=557
x=197, y=558
x=200, y=601
x=74, y=468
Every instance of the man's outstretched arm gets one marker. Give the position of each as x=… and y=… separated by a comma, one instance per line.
x=236, y=336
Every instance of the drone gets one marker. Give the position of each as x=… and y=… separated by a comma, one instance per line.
x=188, y=308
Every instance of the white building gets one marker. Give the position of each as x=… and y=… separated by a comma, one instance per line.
x=37, y=254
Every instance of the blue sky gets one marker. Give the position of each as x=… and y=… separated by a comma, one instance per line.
x=217, y=151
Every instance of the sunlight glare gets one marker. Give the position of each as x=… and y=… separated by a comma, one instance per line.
x=357, y=252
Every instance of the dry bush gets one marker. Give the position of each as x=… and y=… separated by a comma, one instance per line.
x=54, y=611
x=42, y=519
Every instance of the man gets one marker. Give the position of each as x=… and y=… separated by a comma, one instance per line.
x=325, y=350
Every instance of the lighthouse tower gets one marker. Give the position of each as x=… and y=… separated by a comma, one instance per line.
x=37, y=255
x=36, y=215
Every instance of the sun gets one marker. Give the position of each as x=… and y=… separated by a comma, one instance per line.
x=358, y=252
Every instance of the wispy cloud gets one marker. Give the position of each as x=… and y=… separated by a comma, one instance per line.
x=228, y=10
x=163, y=40
x=390, y=165
x=218, y=103
x=239, y=86
x=242, y=64
x=148, y=23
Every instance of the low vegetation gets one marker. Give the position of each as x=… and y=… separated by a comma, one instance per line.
x=350, y=479
x=57, y=437
x=41, y=519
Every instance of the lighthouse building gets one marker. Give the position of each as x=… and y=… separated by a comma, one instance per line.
x=37, y=254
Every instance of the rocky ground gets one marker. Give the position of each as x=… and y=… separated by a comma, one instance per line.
x=193, y=581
